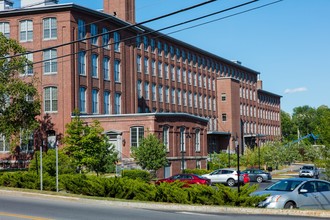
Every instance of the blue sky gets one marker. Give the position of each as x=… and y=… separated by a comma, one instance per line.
x=287, y=42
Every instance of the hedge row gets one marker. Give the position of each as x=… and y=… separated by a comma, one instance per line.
x=135, y=189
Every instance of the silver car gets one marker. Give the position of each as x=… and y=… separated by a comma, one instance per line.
x=227, y=176
x=304, y=193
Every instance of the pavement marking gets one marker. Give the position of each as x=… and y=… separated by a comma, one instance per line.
x=22, y=216
x=195, y=213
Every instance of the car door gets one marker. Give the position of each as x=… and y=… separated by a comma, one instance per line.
x=307, y=198
x=252, y=175
x=323, y=194
x=217, y=176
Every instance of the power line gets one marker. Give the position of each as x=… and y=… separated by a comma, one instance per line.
x=151, y=32
x=118, y=29
x=228, y=16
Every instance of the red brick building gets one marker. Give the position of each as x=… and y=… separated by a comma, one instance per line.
x=135, y=80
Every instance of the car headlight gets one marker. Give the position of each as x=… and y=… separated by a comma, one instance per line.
x=271, y=199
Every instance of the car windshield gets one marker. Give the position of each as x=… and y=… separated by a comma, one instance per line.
x=284, y=185
x=308, y=168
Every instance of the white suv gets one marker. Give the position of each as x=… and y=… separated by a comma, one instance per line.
x=309, y=170
x=227, y=176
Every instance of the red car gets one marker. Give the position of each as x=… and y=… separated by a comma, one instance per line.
x=186, y=178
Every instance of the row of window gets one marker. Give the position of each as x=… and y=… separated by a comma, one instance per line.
x=51, y=101
x=166, y=94
x=95, y=69
x=96, y=35
x=26, y=29
x=176, y=73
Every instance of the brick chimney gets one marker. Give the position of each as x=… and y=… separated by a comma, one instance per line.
x=123, y=9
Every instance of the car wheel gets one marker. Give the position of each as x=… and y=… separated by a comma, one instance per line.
x=230, y=182
x=290, y=205
x=259, y=179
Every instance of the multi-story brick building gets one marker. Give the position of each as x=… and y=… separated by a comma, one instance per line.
x=136, y=81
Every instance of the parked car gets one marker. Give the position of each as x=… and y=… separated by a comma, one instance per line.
x=188, y=179
x=309, y=170
x=227, y=176
x=292, y=193
x=257, y=175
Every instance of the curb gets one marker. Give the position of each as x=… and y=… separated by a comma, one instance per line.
x=181, y=207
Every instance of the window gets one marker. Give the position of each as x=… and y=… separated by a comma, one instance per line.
x=95, y=101
x=146, y=65
x=197, y=140
x=172, y=73
x=199, y=80
x=50, y=28
x=153, y=92
x=160, y=69
x=138, y=41
x=28, y=70
x=166, y=71
x=178, y=74
x=117, y=103
x=50, y=61
x=93, y=33
x=224, y=117
x=189, y=78
x=26, y=31
x=106, y=68
x=105, y=38
x=167, y=94
x=50, y=100
x=139, y=89
x=81, y=29
x=184, y=98
x=146, y=90
x=4, y=145
x=166, y=137
x=195, y=100
x=195, y=79
x=160, y=93
x=117, y=70
x=159, y=46
x=137, y=134
x=82, y=63
x=153, y=45
x=116, y=37
x=153, y=67
x=182, y=139
x=106, y=102
x=95, y=65
x=138, y=63
x=223, y=97
x=173, y=96
x=179, y=97
x=190, y=99
x=5, y=29
x=184, y=76
x=82, y=99
x=145, y=42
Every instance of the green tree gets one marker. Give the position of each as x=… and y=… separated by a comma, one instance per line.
x=19, y=102
x=150, y=154
x=65, y=164
x=303, y=117
x=289, y=129
x=89, y=146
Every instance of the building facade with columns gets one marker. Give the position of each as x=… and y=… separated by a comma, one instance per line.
x=137, y=81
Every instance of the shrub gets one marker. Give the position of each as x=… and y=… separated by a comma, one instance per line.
x=137, y=174
x=197, y=171
x=172, y=193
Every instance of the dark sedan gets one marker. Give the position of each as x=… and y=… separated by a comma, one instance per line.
x=257, y=175
x=188, y=179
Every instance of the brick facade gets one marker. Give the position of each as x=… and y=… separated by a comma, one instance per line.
x=160, y=83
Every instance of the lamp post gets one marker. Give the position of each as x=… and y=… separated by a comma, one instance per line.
x=258, y=154
x=238, y=171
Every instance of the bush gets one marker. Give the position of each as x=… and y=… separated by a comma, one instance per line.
x=28, y=180
x=197, y=171
x=172, y=193
x=137, y=174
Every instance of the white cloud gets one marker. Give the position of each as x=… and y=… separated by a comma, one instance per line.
x=301, y=89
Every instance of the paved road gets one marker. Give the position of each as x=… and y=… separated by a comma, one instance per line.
x=18, y=206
